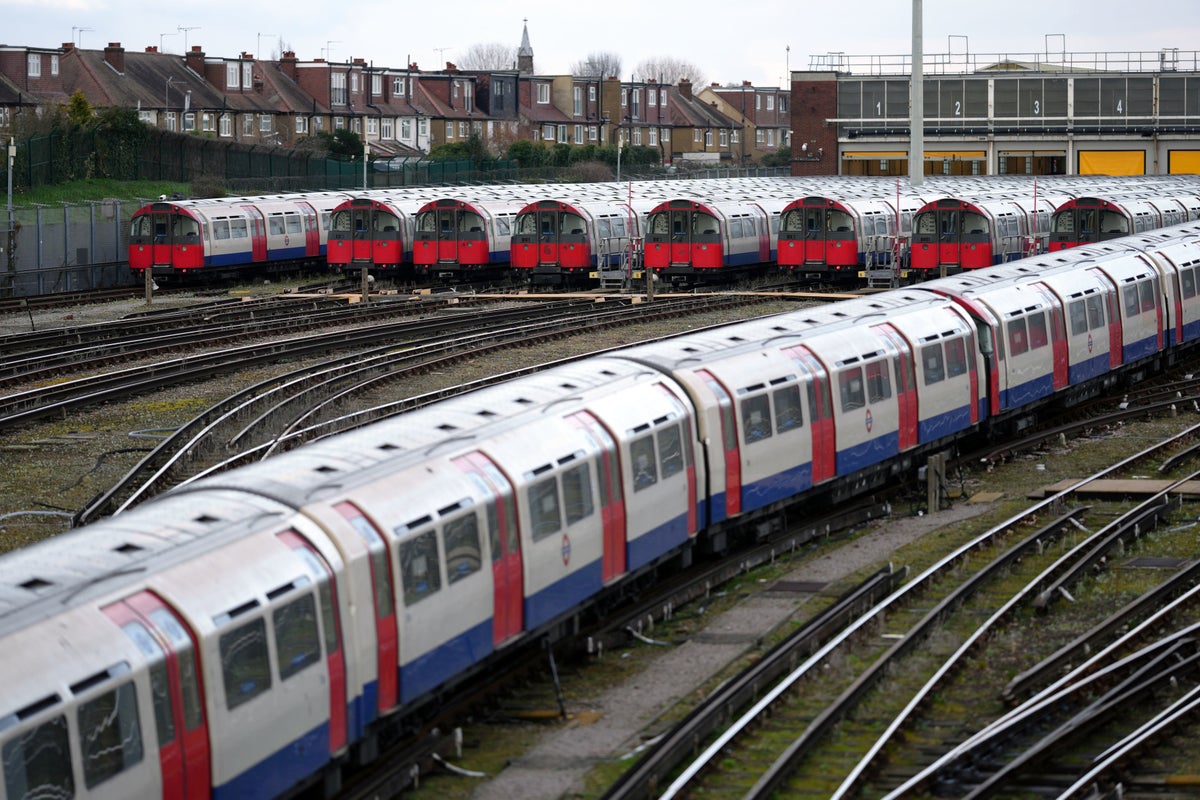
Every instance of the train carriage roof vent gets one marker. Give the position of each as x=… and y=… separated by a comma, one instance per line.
x=568, y=386
x=36, y=584
x=36, y=707
x=205, y=519
x=128, y=548
x=447, y=427
x=387, y=446
x=525, y=401
x=79, y=687
x=412, y=524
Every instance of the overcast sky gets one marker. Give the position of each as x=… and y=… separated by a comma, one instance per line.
x=729, y=42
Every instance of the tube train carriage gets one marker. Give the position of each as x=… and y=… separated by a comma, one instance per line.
x=830, y=226
x=251, y=632
x=1082, y=220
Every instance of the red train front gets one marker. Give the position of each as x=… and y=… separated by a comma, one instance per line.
x=551, y=243
x=818, y=235
x=366, y=233
x=165, y=238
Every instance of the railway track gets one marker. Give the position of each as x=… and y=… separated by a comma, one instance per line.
x=805, y=737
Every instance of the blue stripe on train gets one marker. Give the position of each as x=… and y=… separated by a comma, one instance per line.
x=281, y=770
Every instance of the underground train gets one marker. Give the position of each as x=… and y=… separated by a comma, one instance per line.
x=253, y=632
x=1082, y=220
x=564, y=242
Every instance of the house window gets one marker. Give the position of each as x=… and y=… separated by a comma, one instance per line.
x=652, y=97
x=356, y=125
x=548, y=133
x=734, y=136
x=189, y=121
x=543, y=90
x=231, y=75
x=301, y=124
x=247, y=74
x=405, y=129
x=708, y=138
x=227, y=125
x=637, y=137
x=463, y=130
x=578, y=134
x=449, y=130
x=636, y=100
x=624, y=97
x=385, y=129
x=339, y=123
x=143, y=116
x=758, y=135
x=770, y=102
x=592, y=94
x=248, y=124
x=577, y=97
x=455, y=89
x=170, y=122
x=354, y=82
x=264, y=123
x=337, y=88
x=422, y=127
x=376, y=85
x=468, y=95
x=696, y=135
x=757, y=101
x=398, y=87
x=53, y=65
x=724, y=137
x=372, y=126
x=770, y=137
x=35, y=65
x=318, y=124
x=592, y=133
x=653, y=137
x=562, y=134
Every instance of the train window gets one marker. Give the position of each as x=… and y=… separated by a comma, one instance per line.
x=645, y=464
x=244, y=663
x=185, y=657
x=275, y=225
x=38, y=763
x=840, y=222
x=463, y=553
x=1018, y=341
x=293, y=223
x=618, y=227
x=237, y=229
x=1188, y=278
x=788, y=414
x=296, y=638
x=1037, y=330
x=931, y=358
x=1132, y=304
x=1095, y=311
x=543, y=508
x=1078, y=314
x=670, y=451
x=420, y=568
x=1146, y=289
x=851, y=385
x=956, y=358
x=879, y=384
x=577, y=493
x=111, y=738
x=503, y=226
x=340, y=221
x=756, y=418
x=220, y=229
x=164, y=716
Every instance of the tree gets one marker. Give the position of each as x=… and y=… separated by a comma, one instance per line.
x=343, y=143
x=669, y=70
x=598, y=64
x=488, y=55
x=79, y=110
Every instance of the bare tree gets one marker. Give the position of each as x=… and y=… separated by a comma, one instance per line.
x=668, y=70
x=599, y=64
x=488, y=55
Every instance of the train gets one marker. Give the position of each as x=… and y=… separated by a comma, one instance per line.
x=1082, y=220
x=823, y=228
x=251, y=633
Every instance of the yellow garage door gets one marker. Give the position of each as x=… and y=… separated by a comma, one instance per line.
x=1112, y=162
x=1185, y=162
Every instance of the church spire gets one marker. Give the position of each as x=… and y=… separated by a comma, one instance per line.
x=525, y=51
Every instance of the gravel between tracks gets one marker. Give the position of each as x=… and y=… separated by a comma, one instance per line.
x=618, y=718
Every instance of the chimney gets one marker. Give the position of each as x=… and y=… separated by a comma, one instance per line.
x=195, y=59
x=685, y=88
x=114, y=54
x=153, y=48
x=246, y=56
x=747, y=83
x=68, y=47
x=287, y=64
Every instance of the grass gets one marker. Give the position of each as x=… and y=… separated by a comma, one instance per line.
x=97, y=189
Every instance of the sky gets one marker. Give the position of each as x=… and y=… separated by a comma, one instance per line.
x=770, y=39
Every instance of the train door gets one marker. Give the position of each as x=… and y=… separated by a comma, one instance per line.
x=949, y=236
x=820, y=413
x=446, y=225
x=508, y=582
x=814, y=233
x=681, y=224
x=258, y=233
x=384, y=611
x=547, y=233
x=331, y=621
x=158, y=230
x=311, y=222
x=612, y=501
x=906, y=385
x=729, y=445
x=178, y=692
x=1058, y=339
